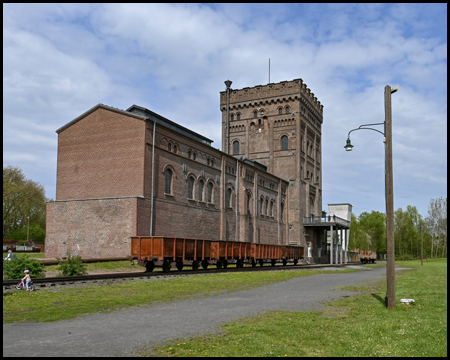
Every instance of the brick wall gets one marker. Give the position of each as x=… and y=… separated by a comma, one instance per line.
x=102, y=155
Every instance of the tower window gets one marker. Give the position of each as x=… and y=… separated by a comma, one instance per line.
x=280, y=111
x=228, y=199
x=238, y=116
x=287, y=109
x=236, y=147
x=232, y=117
x=255, y=114
x=284, y=142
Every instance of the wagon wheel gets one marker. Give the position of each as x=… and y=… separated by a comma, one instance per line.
x=273, y=262
x=219, y=264
x=225, y=264
x=295, y=262
x=205, y=264
x=261, y=262
x=149, y=266
x=180, y=265
x=195, y=265
x=253, y=263
x=166, y=266
x=284, y=262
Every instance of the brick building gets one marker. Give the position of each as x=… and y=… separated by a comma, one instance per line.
x=134, y=172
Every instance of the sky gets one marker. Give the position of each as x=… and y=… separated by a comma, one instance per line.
x=59, y=60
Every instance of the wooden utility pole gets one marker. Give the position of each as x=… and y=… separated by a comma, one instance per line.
x=390, y=264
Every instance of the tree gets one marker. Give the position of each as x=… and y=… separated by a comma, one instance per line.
x=374, y=224
x=22, y=198
x=358, y=238
x=437, y=218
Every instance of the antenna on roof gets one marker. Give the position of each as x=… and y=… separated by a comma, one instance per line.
x=269, y=70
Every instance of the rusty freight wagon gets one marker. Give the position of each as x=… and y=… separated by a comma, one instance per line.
x=160, y=251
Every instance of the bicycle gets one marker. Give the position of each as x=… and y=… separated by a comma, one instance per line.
x=22, y=286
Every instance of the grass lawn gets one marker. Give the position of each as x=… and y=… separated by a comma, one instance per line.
x=46, y=305
x=356, y=326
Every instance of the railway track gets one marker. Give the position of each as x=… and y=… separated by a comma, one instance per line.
x=45, y=283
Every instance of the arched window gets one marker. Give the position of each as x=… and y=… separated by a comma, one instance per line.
x=284, y=142
x=189, y=154
x=236, y=147
x=271, y=208
x=238, y=117
x=255, y=114
x=287, y=109
x=175, y=149
x=280, y=111
x=261, y=203
x=228, y=199
x=281, y=212
x=168, y=188
x=191, y=187
x=267, y=206
x=169, y=147
x=201, y=185
x=248, y=204
x=232, y=117
x=210, y=192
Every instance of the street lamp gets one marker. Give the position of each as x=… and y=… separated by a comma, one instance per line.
x=389, y=191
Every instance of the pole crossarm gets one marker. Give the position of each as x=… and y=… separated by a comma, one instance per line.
x=367, y=128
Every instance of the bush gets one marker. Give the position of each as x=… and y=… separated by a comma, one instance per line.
x=14, y=269
x=72, y=266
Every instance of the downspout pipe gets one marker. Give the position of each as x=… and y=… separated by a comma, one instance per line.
x=153, y=178
x=237, y=198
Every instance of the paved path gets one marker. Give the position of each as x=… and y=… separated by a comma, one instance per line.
x=121, y=332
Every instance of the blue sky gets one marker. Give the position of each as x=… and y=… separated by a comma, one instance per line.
x=59, y=60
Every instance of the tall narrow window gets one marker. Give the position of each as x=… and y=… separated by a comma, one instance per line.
x=287, y=109
x=236, y=147
x=228, y=199
x=271, y=208
x=238, y=116
x=232, y=117
x=210, y=192
x=267, y=206
x=280, y=111
x=281, y=212
x=255, y=114
x=191, y=187
x=201, y=185
x=168, y=188
x=261, y=203
x=284, y=142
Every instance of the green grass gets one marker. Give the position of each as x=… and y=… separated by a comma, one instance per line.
x=355, y=326
x=33, y=255
x=58, y=304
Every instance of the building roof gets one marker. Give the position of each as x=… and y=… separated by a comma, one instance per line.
x=161, y=120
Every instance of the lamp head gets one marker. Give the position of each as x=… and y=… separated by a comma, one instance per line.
x=228, y=83
x=395, y=88
x=349, y=145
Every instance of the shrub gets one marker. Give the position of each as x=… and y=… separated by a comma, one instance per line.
x=13, y=269
x=72, y=266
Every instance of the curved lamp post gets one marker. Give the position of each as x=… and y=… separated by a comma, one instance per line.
x=389, y=190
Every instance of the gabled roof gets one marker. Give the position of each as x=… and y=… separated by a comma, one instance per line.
x=91, y=110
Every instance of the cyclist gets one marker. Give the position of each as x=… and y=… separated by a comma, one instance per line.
x=27, y=278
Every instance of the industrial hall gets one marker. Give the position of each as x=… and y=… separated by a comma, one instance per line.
x=123, y=173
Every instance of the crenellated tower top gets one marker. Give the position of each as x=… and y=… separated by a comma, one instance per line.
x=261, y=95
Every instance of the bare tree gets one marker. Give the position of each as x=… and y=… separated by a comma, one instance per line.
x=437, y=211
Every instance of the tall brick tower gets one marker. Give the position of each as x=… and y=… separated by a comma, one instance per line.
x=279, y=125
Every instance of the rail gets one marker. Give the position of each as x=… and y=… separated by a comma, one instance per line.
x=325, y=221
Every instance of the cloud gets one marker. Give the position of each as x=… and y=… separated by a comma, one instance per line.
x=62, y=59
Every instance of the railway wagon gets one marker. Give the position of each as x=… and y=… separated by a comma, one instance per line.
x=161, y=251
